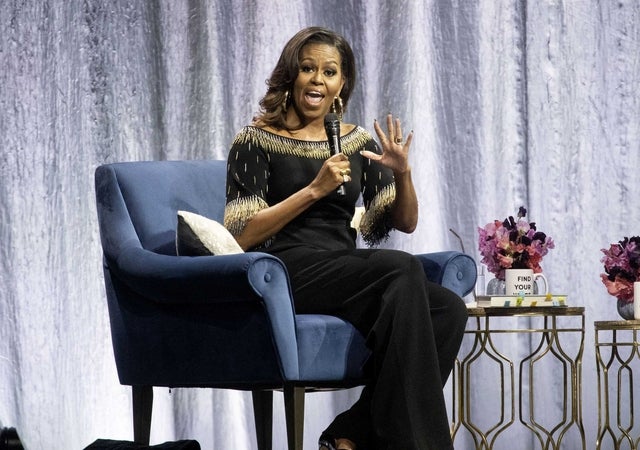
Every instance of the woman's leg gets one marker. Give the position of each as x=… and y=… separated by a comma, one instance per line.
x=414, y=329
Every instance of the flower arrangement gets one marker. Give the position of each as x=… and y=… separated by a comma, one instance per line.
x=513, y=244
x=622, y=266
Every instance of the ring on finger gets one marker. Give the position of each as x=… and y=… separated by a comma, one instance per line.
x=345, y=178
x=398, y=140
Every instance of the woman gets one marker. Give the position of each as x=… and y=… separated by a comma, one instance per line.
x=282, y=199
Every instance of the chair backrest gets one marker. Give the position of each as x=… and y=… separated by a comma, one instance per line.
x=154, y=190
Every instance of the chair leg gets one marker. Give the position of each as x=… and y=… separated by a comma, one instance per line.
x=142, y=397
x=263, y=415
x=294, y=414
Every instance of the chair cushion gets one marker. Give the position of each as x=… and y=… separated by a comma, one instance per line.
x=197, y=235
x=329, y=348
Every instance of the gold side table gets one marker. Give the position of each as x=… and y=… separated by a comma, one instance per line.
x=557, y=341
x=616, y=356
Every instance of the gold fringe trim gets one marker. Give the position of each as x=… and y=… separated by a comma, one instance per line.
x=375, y=225
x=239, y=211
x=350, y=143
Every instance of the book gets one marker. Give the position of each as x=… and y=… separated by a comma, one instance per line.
x=483, y=301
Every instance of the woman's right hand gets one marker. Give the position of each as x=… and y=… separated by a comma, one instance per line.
x=267, y=222
x=335, y=171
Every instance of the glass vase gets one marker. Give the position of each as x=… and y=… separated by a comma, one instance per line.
x=625, y=309
x=496, y=287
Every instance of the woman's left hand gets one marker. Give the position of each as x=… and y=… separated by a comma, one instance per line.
x=395, y=150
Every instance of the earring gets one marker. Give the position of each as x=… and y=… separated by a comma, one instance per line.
x=285, y=101
x=337, y=107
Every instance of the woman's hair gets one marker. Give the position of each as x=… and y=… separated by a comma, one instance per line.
x=280, y=84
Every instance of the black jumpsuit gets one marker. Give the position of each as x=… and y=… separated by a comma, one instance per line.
x=413, y=327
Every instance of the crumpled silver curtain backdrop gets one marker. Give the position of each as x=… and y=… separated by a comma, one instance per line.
x=532, y=103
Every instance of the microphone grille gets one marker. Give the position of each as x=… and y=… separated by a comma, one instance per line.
x=331, y=118
x=332, y=124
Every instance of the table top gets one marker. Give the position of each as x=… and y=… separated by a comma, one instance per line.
x=617, y=325
x=506, y=311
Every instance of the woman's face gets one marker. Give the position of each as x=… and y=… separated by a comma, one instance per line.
x=319, y=81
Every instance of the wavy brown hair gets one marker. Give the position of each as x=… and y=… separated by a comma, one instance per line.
x=272, y=110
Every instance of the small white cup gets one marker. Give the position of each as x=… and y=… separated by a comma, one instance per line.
x=522, y=281
x=636, y=300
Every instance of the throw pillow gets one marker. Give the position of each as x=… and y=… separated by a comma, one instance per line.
x=197, y=235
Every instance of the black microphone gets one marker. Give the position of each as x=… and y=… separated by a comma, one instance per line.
x=332, y=128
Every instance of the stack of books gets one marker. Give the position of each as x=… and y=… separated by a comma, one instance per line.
x=483, y=301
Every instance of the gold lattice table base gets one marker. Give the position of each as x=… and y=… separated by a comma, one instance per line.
x=616, y=357
x=538, y=380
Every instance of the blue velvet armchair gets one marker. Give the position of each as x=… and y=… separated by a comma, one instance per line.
x=224, y=321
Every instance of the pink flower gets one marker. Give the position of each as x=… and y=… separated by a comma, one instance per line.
x=622, y=266
x=512, y=244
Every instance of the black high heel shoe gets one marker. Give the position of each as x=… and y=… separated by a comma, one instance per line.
x=326, y=443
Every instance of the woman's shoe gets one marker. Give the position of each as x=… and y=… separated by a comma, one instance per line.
x=326, y=444
x=329, y=444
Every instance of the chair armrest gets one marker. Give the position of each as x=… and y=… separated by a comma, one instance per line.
x=186, y=279
x=454, y=270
